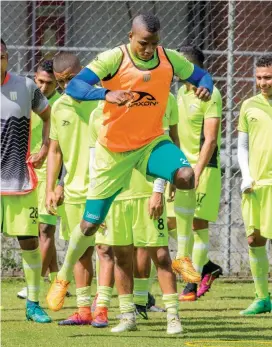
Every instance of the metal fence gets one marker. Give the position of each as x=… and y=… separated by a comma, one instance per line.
x=233, y=34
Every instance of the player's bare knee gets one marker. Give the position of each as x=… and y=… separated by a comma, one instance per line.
x=47, y=230
x=105, y=253
x=163, y=259
x=184, y=178
x=87, y=228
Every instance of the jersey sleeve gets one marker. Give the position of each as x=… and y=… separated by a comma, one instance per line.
x=174, y=115
x=243, y=124
x=38, y=102
x=106, y=63
x=213, y=107
x=53, y=126
x=92, y=131
x=183, y=68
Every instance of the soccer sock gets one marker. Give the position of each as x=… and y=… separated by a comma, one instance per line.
x=152, y=276
x=140, y=291
x=126, y=303
x=185, y=202
x=97, y=269
x=191, y=244
x=171, y=303
x=200, y=249
x=104, y=296
x=52, y=276
x=259, y=268
x=77, y=246
x=83, y=296
x=32, y=265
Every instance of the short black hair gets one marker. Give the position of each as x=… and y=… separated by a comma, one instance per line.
x=264, y=61
x=65, y=60
x=193, y=53
x=3, y=43
x=46, y=65
x=149, y=20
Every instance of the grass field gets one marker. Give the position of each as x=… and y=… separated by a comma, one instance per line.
x=213, y=321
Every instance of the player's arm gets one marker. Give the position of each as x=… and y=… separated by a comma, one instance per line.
x=59, y=190
x=212, y=113
x=191, y=73
x=81, y=87
x=211, y=128
x=54, y=162
x=243, y=152
x=41, y=107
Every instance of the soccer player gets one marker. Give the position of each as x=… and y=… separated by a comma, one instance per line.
x=45, y=80
x=19, y=203
x=129, y=225
x=255, y=160
x=136, y=81
x=69, y=144
x=200, y=137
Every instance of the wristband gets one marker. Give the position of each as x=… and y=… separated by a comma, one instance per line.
x=158, y=186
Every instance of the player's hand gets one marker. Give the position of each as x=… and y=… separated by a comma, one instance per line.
x=119, y=97
x=37, y=159
x=203, y=93
x=59, y=195
x=171, y=192
x=51, y=203
x=155, y=205
x=247, y=185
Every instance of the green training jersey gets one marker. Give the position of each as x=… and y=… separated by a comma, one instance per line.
x=192, y=114
x=36, y=137
x=107, y=63
x=70, y=127
x=139, y=186
x=256, y=120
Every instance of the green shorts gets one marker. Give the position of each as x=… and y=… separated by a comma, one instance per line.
x=128, y=222
x=44, y=216
x=19, y=214
x=207, y=196
x=112, y=171
x=71, y=216
x=257, y=211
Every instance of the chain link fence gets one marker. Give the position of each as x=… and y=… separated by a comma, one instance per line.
x=233, y=34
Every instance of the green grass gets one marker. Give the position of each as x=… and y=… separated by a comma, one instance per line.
x=213, y=321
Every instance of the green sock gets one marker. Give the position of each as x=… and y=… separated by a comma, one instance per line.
x=185, y=202
x=200, y=249
x=97, y=269
x=152, y=276
x=104, y=296
x=191, y=244
x=83, y=296
x=126, y=303
x=77, y=246
x=32, y=265
x=140, y=291
x=259, y=268
x=171, y=303
x=52, y=276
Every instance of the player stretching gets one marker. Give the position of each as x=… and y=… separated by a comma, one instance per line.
x=69, y=143
x=45, y=80
x=136, y=81
x=135, y=219
x=255, y=160
x=19, y=203
x=200, y=139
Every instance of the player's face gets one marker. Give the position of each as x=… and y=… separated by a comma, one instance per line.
x=46, y=82
x=264, y=80
x=143, y=43
x=4, y=61
x=63, y=78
